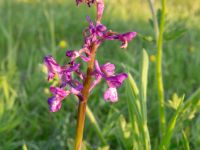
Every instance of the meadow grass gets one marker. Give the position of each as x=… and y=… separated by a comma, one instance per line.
x=31, y=29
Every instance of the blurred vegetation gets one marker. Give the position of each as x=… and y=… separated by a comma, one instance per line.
x=31, y=29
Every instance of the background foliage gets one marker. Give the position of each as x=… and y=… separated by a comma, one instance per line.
x=31, y=29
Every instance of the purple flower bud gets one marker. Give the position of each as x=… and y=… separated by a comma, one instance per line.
x=100, y=9
x=69, y=53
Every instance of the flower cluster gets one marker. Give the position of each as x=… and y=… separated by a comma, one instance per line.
x=94, y=35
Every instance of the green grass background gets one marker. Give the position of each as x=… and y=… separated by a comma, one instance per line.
x=31, y=29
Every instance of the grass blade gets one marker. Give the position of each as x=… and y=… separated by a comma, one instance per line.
x=185, y=141
x=93, y=120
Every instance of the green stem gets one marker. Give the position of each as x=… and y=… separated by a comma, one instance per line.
x=159, y=71
x=83, y=101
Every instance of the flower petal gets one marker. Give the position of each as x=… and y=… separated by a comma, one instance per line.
x=59, y=92
x=52, y=66
x=111, y=95
x=84, y=58
x=98, y=69
x=116, y=81
x=108, y=69
x=54, y=104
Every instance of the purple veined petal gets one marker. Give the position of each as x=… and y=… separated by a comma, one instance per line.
x=59, y=92
x=100, y=9
x=98, y=69
x=65, y=79
x=100, y=27
x=76, y=85
x=84, y=58
x=108, y=69
x=111, y=95
x=126, y=37
x=52, y=66
x=116, y=81
x=75, y=91
x=87, y=43
x=73, y=67
x=51, y=75
x=54, y=104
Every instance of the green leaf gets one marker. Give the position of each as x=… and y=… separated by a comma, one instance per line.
x=170, y=128
x=143, y=85
x=137, y=106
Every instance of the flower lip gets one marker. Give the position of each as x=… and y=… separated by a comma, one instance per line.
x=111, y=93
x=54, y=104
x=55, y=101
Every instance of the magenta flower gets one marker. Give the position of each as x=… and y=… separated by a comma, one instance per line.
x=55, y=101
x=114, y=81
x=124, y=38
x=71, y=79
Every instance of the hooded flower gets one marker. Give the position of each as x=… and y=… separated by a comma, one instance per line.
x=55, y=101
x=64, y=72
x=124, y=38
x=114, y=81
x=52, y=66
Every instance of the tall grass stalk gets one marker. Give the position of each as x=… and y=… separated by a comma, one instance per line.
x=154, y=17
x=159, y=77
